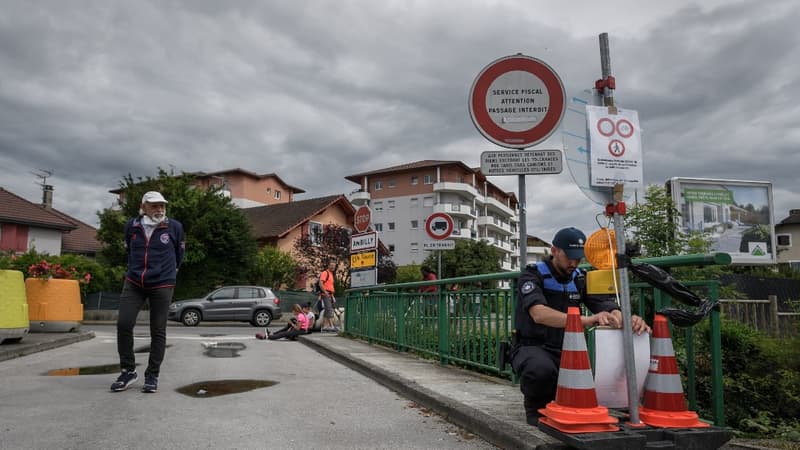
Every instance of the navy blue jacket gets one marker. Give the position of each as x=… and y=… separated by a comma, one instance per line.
x=538, y=285
x=153, y=263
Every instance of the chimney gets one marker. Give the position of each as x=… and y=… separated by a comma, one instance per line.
x=47, y=196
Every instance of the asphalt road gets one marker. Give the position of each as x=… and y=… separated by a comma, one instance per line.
x=315, y=403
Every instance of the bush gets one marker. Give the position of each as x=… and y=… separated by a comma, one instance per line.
x=761, y=379
x=103, y=277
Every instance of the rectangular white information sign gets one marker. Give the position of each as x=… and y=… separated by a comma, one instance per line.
x=615, y=147
x=522, y=162
x=363, y=278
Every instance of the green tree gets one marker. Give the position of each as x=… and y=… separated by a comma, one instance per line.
x=274, y=268
x=468, y=258
x=387, y=270
x=220, y=247
x=408, y=273
x=651, y=225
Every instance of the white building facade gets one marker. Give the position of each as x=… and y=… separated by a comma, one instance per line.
x=403, y=197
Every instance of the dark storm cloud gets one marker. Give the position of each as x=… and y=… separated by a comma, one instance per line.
x=317, y=90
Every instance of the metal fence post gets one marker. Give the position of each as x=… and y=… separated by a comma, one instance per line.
x=773, y=312
x=716, y=359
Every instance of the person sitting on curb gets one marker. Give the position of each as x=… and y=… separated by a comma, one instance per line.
x=296, y=326
x=310, y=315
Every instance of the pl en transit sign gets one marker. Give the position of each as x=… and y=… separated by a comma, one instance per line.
x=522, y=162
x=439, y=245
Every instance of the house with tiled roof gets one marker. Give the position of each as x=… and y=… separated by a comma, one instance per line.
x=280, y=225
x=787, y=235
x=25, y=225
x=80, y=241
x=246, y=189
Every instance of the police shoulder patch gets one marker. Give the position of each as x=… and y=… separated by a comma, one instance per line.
x=528, y=287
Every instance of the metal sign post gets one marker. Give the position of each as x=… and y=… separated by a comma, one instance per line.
x=619, y=230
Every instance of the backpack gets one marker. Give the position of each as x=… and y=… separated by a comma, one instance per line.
x=317, y=290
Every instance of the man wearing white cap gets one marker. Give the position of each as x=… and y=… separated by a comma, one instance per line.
x=155, y=247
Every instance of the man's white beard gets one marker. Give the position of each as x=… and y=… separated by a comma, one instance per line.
x=153, y=220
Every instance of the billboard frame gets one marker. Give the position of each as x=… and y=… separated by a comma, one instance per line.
x=726, y=217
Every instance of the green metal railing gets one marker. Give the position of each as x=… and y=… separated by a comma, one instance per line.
x=463, y=327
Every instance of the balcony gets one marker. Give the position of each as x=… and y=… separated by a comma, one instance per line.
x=496, y=204
x=495, y=224
x=462, y=233
x=359, y=197
x=452, y=186
x=498, y=244
x=455, y=209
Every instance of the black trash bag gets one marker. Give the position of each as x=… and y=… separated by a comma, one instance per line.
x=659, y=278
x=684, y=318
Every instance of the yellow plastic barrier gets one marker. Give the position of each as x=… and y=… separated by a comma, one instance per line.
x=13, y=306
x=54, y=305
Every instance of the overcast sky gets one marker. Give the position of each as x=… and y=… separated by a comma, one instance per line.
x=317, y=90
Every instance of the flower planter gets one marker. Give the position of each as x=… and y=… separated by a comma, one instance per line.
x=13, y=306
x=54, y=305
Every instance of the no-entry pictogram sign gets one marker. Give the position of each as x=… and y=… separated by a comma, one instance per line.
x=439, y=225
x=615, y=147
x=517, y=101
x=362, y=219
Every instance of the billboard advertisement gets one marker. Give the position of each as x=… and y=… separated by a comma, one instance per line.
x=735, y=214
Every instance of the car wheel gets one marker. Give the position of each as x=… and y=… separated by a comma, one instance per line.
x=191, y=317
x=261, y=318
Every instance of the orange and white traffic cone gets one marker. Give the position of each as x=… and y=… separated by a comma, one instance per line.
x=664, y=405
x=575, y=409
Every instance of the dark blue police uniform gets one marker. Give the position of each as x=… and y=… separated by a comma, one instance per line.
x=536, y=354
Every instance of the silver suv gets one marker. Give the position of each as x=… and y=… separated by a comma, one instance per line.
x=255, y=304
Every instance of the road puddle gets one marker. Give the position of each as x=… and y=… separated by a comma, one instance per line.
x=215, y=388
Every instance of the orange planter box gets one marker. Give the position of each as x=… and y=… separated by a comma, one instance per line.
x=53, y=300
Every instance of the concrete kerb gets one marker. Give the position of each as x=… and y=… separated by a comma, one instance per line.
x=39, y=342
x=498, y=432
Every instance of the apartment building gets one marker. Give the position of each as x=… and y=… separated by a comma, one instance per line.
x=402, y=197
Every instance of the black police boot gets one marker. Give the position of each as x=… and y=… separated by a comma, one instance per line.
x=532, y=406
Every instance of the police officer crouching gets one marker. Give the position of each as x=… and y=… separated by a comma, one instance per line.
x=545, y=290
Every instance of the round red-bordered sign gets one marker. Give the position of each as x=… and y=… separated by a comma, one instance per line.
x=624, y=128
x=362, y=219
x=616, y=148
x=439, y=226
x=517, y=75
x=605, y=127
